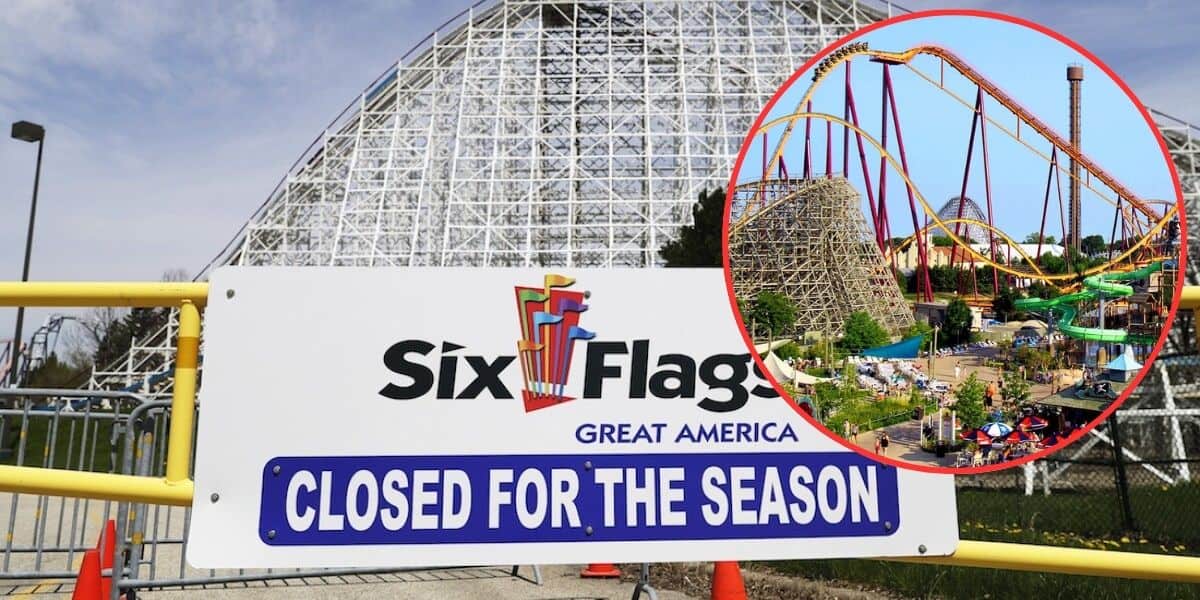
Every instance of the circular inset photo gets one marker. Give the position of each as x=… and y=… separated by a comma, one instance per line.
x=954, y=239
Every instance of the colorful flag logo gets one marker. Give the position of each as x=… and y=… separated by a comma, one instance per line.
x=549, y=318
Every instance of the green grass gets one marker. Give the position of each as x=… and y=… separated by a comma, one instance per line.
x=1164, y=516
x=1168, y=520
x=932, y=581
x=873, y=414
x=99, y=433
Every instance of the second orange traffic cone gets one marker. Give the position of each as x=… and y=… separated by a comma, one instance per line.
x=727, y=581
x=87, y=584
x=107, y=546
x=600, y=570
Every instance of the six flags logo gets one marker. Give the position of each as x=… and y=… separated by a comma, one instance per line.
x=549, y=319
x=549, y=328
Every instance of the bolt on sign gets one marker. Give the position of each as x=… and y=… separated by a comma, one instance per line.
x=416, y=417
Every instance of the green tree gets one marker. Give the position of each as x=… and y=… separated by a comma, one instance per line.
x=861, y=332
x=1015, y=388
x=113, y=344
x=825, y=351
x=943, y=278
x=921, y=328
x=957, y=327
x=969, y=401
x=772, y=313
x=1093, y=244
x=139, y=324
x=789, y=350
x=1033, y=239
x=1004, y=346
x=1034, y=358
x=1042, y=290
x=1004, y=304
x=849, y=378
x=699, y=244
x=1053, y=264
x=53, y=373
x=942, y=241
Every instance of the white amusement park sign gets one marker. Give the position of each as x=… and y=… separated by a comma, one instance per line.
x=412, y=417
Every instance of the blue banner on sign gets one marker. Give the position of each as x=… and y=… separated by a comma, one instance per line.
x=358, y=500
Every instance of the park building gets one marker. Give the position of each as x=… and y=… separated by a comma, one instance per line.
x=908, y=257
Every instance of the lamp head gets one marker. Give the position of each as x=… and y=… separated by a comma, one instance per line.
x=28, y=132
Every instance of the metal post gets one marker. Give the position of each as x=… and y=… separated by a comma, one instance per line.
x=643, y=584
x=920, y=240
x=962, y=195
x=14, y=372
x=1122, y=481
x=941, y=422
x=183, y=405
x=932, y=346
x=1075, y=79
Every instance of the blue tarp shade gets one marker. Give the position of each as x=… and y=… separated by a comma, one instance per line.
x=906, y=348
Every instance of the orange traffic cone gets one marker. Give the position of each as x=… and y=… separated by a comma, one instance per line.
x=601, y=570
x=107, y=546
x=727, y=581
x=87, y=584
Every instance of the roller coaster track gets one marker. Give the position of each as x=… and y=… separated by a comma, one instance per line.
x=1064, y=278
x=1035, y=273
x=1031, y=261
x=959, y=65
x=741, y=215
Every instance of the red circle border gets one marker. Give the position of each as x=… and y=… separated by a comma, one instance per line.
x=1154, y=352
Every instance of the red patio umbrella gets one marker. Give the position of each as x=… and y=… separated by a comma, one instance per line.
x=1017, y=436
x=1032, y=423
x=978, y=436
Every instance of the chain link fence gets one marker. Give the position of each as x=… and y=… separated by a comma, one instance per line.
x=122, y=432
x=1133, y=483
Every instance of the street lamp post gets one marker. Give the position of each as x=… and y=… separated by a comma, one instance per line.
x=26, y=132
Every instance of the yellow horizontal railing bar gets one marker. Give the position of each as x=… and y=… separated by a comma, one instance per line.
x=78, y=294
x=99, y=486
x=1070, y=561
x=1190, y=298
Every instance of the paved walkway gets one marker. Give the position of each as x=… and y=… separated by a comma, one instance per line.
x=905, y=437
x=905, y=443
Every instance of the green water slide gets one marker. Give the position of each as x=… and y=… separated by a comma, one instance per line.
x=1094, y=286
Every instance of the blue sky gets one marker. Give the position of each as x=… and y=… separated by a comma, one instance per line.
x=1030, y=66
x=169, y=122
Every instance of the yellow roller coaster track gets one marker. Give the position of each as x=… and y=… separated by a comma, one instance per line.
x=966, y=221
x=939, y=223
x=991, y=89
x=748, y=217
x=906, y=242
